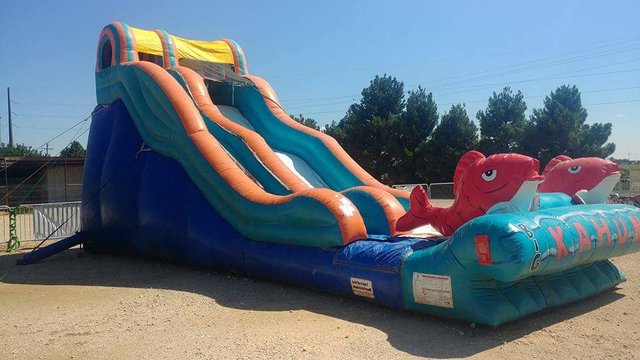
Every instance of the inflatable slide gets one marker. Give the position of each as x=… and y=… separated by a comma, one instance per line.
x=193, y=160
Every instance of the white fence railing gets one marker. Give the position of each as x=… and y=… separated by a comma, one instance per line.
x=38, y=221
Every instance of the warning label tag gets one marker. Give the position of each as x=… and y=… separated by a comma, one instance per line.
x=362, y=287
x=432, y=289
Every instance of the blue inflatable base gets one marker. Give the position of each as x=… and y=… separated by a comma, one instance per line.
x=138, y=202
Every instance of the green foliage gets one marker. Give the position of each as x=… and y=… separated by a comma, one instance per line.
x=19, y=150
x=335, y=130
x=74, y=149
x=369, y=131
x=560, y=128
x=383, y=132
x=502, y=124
x=454, y=136
x=400, y=141
x=416, y=125
x=383, y=98
x=306, y=121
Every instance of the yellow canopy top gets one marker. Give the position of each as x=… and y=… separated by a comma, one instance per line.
x=213, y=51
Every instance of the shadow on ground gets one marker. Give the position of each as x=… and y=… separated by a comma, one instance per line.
x=416, y=334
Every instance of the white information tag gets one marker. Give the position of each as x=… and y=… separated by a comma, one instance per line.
x=432, y=289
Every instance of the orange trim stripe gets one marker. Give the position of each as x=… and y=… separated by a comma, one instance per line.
x=236, y=62
x=267, y=91
x=134, y=46
x=351, y=227
x=122, y=57
x=112, y=39
x=391, y=207
x=256, y=142
x=166, y=61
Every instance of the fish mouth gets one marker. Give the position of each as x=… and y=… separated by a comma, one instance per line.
x=533, y=177
x=600, y=193
x=498, y=189
x=524, y=200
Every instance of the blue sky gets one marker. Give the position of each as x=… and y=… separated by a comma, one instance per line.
x=319, y=55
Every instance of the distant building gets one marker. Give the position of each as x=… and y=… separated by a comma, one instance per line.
x=43, y=179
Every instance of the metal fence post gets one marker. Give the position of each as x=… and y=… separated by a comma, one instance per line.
x=65, y=180
x=6, y=180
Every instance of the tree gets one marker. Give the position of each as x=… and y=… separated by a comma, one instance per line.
x=559, y=128
x=335, y=130
x=369, y=130
x=454, y=136
x=306, y=121
x=416, y=125
x=74, y=149
x=19, y=150
x=383, y=98
x=502, y=124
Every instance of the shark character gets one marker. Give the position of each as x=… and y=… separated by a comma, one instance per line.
x=494, y=184
x=587, y=180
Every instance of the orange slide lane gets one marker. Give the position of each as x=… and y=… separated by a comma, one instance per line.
x=392, y=209
x=274, y=105
x=351, y=227
x=254, y=141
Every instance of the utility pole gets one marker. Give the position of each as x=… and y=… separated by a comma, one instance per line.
x=10, y=125
x=47, y=148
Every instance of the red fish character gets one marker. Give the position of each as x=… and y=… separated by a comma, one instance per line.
x=498, y=183
x=588, y=180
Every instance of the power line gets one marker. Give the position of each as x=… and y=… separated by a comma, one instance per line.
x=52, y=104
x=492, y=73
x=48, y=116
x=94, y=112
x=51, y=160
x=613, y=102
x=472, y=102
x=35, y=127
x=10, y=113
x=497, y=72
x=609, y=43
x=299, y=108
x=553, y=77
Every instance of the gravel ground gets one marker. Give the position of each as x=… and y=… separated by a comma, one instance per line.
x=104, y=307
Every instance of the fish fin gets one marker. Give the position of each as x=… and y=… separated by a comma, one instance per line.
x=420, y=211
x=463, y=164
x=553, y=162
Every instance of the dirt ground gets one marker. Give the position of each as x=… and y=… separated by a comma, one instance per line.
x=98, y=306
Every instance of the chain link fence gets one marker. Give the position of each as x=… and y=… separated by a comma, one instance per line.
x=436, y=191
x=627, y=188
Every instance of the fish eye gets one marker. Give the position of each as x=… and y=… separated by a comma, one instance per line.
x=489, y=175
x=574, y=169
